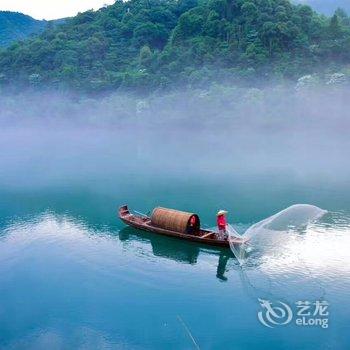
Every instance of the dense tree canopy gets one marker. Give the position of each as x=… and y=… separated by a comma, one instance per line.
x=152, y=44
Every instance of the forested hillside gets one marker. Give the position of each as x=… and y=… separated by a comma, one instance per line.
x=15, y=26
x=153, y=44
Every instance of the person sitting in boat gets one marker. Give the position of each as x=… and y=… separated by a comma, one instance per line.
x=192, y=225
x=222, y=224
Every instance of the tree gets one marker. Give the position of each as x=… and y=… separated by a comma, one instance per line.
x=334, y=28
x=145, y=55
x=152, y=34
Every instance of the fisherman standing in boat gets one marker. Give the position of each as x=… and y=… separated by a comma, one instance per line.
x=222, y=223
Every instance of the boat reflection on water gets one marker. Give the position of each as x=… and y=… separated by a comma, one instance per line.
x=177, y=250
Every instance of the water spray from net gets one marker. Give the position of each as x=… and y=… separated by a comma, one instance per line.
x=295, y=217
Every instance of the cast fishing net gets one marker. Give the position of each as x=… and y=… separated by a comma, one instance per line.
x=295, y=217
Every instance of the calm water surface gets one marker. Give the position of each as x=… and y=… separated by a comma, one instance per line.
x=72, y=276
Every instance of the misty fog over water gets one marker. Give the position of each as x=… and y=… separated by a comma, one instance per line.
x=230, y=151
x=279, y=106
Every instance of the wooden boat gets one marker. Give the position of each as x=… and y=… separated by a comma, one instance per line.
x=173, y=223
